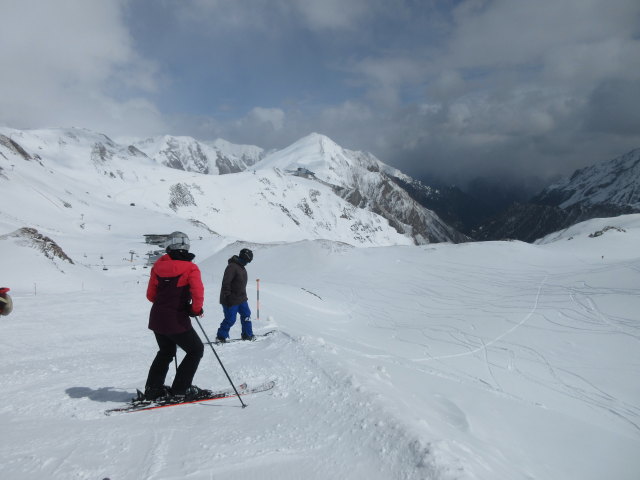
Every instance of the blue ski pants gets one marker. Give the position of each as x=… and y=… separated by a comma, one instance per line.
x=230, y=316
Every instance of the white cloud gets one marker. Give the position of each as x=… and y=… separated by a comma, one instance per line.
x=518, y=32
x=590, y=63
x=259, y=116
x=527, y=81
x=69, y=62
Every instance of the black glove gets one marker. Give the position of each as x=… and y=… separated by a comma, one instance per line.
x=196, y=314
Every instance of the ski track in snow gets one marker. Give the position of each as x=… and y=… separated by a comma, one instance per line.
x=561, y=380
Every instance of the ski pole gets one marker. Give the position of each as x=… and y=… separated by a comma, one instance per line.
x=220, y=361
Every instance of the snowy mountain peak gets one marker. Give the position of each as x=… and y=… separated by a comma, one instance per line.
x=328, y=161
x=74, y=148
x=188, y=154
x=250, y=154
x=181, y=153
x=318, y=140
x=324, y=144
x=365, y=182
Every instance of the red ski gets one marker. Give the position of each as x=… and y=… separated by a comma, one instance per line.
x=142, y=405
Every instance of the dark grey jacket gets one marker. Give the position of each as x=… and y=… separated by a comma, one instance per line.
x=234, y=283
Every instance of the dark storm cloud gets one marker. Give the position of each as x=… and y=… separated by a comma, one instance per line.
x=614, y=108
x=502, y=88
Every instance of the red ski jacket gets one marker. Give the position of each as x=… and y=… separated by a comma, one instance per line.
x=175, y=287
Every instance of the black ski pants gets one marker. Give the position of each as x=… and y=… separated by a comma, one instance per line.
x=188, y=341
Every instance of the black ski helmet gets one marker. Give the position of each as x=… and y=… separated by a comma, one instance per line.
x=246, y=255
x=177, y=241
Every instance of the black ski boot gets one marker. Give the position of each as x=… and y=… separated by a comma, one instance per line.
x=251, y=338
x=192, y=393
x=154, y=393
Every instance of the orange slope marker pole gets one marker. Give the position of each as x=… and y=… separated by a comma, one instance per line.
x=258, y=299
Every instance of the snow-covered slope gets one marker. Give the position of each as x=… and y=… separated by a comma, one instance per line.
x=494, y=360
x=615, y=229
x=614, y=182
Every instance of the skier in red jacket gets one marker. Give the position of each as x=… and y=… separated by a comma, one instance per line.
x=6, y=305
x=176, y=291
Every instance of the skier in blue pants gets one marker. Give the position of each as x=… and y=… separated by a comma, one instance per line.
x=233, y=297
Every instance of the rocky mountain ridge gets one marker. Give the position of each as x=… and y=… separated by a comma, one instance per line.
x=366, y=183
x=613, y=182
x=349, y=199
x=606, y=189
x=210, y=158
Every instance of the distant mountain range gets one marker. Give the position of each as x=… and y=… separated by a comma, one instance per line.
x=313, y=189
x=357, y=177
x=606, y=189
